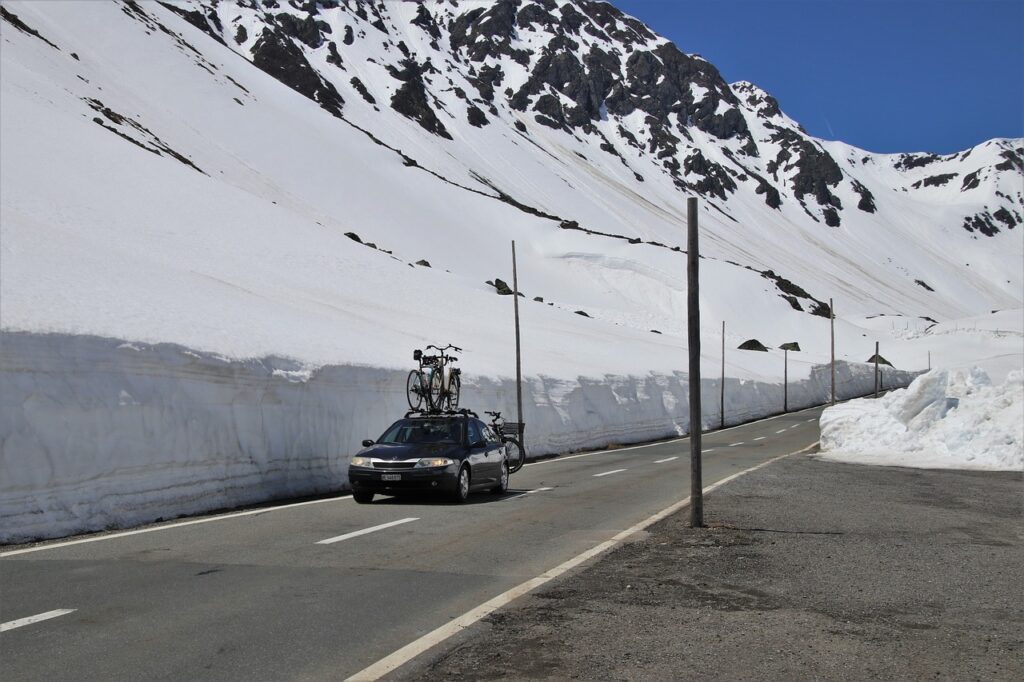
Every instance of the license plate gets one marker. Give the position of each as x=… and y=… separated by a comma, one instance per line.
x=391, y=477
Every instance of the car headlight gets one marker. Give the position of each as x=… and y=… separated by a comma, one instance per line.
x=434, y=462
x=360, y=462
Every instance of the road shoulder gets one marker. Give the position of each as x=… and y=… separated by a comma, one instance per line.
x=808, y=569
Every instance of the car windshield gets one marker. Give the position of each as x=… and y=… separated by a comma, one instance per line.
x=423, y=431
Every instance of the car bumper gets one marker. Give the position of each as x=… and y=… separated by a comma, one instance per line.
x=372, y=480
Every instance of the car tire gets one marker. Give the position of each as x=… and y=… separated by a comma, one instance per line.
x=362, y=497
x=502, y=486
x=461, y=493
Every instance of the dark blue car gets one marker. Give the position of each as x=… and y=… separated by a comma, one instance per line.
x=448, y=454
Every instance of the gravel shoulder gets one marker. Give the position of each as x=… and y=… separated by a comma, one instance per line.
x=808, y=569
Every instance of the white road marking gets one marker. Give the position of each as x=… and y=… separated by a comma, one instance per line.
x=263, y=510
x=555, y=460
x=609, y=473
x=708, y=450
x=222, y=517
x=410, y=651
x=11, y=624
x=732, y=445
x=372, y=529
x=662, y=461
x=760, y=438
x=528, y=492
x=808, y=421
x=780, y=431
x=794, y=426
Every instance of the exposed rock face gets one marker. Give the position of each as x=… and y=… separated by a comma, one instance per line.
x=600, y=86
x=284, y=60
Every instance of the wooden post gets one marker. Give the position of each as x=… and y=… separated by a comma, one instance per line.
x=721, y=399
x=785, y=380
x=693, y=329
x=832, y=334
x=876, y=369
x=519, y=358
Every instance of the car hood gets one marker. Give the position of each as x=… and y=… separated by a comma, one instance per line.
x=414, y=451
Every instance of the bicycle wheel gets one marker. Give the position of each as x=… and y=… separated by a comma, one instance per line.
x=515, y=453
x=414, y=389
x=435, y=392
x=452, y=395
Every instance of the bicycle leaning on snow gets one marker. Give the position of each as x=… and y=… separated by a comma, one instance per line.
x=515, y=453
x=436, y=384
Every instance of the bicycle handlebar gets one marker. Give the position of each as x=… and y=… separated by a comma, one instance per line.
x=496, y=415
x=449, y=346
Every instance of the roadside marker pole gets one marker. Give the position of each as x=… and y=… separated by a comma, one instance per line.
x=785, y=380
x=721, y=399
x=519, y=362
x=693, y=328
x=832, y=334
x=876, y=369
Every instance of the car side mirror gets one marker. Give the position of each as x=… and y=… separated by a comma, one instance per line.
x=367, y=443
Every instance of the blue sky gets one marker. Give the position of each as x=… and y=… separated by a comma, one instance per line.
x=884, y=75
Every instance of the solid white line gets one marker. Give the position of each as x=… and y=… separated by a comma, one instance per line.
x=732, y=445
x=555, y=460
x=225, y=517
x=222, y=517
x=10, y=625
x=662, y=461
x=780, y=431
x=372, y=529
x=609, y=473
x=760, y=438
x=456, y=625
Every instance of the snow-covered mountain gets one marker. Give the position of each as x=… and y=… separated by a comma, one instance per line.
x=437, y=131
x=225, y=226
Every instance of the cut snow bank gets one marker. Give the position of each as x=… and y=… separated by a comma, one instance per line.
x=943, y=420
x=97, y=433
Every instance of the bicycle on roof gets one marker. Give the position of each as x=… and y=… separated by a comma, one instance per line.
x=514, y=450
x=437, y=383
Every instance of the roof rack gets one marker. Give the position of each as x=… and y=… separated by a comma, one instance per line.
x=463, y=412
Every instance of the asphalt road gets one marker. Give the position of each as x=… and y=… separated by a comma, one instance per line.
x=259, y=596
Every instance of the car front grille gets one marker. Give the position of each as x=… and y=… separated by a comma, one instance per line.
x=394, y=465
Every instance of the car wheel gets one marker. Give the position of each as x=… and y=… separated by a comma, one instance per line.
x=502, y=486
x=362, y=497
x=462, y=486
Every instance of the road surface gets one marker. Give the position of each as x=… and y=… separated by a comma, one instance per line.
x=325, y=588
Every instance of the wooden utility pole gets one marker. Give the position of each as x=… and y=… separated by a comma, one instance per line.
x=876, y=369
x=832, y=334
x=785, y=380
x=721, y=398
x=693, y=328
x=519, y=357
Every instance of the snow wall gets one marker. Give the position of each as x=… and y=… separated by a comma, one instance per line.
x=97, y=433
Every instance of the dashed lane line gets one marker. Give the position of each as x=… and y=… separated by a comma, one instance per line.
x=781, y=431
x=455, y=625
x=609, y=473
x=662, y=461
x=525, y=493
x=732, y=445
x=760, y=438
x=11, y=624
x=364, y=531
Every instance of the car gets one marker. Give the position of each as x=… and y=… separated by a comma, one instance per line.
x=451, y=454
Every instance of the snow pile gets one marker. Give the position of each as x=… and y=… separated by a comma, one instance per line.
x=944, y=420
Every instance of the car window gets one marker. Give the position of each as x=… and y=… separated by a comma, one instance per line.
x=422, y=431
x=489, y=434
x=474, y=432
